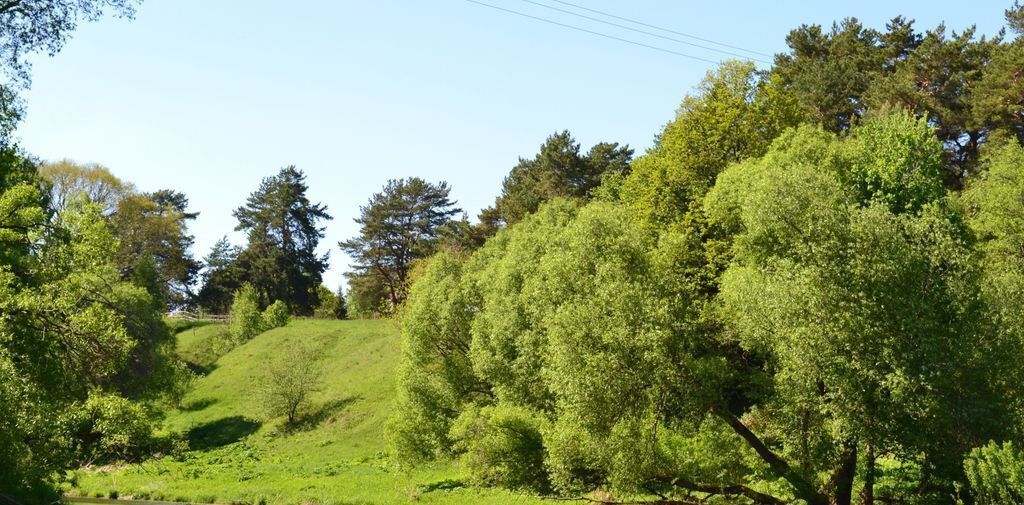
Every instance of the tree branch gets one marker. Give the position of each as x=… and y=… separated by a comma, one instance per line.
x=615, y=502
x=803, y=489
x=733, y=489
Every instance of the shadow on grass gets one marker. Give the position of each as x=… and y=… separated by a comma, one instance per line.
x=221, y=432
x=197, y=405
x=201, y=370
x=317, y=417
x=181, y=325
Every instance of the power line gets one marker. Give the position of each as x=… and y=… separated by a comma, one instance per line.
x=624, y=27
x=612, y=37
x=641, y=23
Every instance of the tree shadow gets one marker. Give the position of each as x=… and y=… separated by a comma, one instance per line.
x=221, y=432
x=201, y=370
x=181, y=325
x=197, y=405
x=323, y=413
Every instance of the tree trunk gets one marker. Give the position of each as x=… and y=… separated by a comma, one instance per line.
x=842, y=479
x=867, y=495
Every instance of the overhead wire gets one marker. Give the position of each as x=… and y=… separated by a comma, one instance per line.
x=624, y=27
x=668, y=30
x=605, y=35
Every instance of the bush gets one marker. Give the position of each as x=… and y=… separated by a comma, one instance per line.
x=502, y=446
x=996, y=474
x=288, y=381
x=246, y=320
x=276, y=315
x=109, y=427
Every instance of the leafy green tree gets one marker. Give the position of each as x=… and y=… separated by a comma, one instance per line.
x=110, y=427
x=503, y=446
x=734, y=114
x=332, y=305
x=829, y=72
x=246, y=319
x=825, y=280
x=558, y=170
x=153, y=229
x=399, y=225
x=367, y=294
x=849, y=326
x=69, y=327
x=288, y=381
x=340, y=304
x=435, y=375
x=283, y=231
x=70, y=181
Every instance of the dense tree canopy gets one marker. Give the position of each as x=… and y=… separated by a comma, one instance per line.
x=808, y=290
x=733, y=115
x=72, y=330
x=851, y=328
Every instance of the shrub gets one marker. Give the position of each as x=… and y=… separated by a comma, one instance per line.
x=276, y=315
x=502, y=446
x=288, y=381
x=109, y=427
x=246, y=320
x=996, y=474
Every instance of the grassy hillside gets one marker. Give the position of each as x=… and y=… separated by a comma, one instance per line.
x=338, y=454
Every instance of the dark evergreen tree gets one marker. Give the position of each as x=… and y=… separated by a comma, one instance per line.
x=221, y=277
x=558, y=170
x=400, y=224
x=283, y=229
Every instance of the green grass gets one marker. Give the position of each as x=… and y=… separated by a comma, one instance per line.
x=338, y=455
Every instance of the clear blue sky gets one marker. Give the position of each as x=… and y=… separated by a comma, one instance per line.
x=207, y=97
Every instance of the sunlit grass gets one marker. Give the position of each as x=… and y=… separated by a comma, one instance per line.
x=338, y=454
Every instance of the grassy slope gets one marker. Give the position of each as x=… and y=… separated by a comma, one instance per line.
x=338, y=456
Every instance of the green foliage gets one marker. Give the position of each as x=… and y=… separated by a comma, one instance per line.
x=283, y=229
x=435, y=377
x=246, y=319
x=288, y=380
x=71, y=328
x=502, y=446
x=734, y=114
x=70, y=181
x=221, y=276
x=894, y=160
x=367, y=294
x=276, y=315
x=557, y=171
x=332, y=305
x=31, y=447
x=996, y=474
x=153, y=233
x=562, y=317
x=825, y=281
x=399, y=225
x=110, y=427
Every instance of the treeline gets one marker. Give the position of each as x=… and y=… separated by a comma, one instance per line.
x=808, y=290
